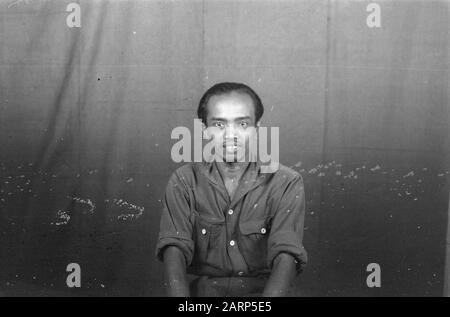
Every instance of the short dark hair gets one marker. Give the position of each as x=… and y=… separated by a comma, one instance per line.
x=225, y=88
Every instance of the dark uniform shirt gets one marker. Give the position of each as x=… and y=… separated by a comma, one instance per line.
x=223, y=237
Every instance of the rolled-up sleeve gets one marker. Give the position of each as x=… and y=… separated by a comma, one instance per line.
x=286, y=234
x=176, y=226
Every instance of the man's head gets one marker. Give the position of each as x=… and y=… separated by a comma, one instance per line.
x=228, y=88
x=230, y=113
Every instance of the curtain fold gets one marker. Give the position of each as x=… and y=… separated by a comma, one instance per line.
x=86, y=115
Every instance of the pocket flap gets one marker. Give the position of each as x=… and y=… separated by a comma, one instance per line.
x=254, y=226
x=208, y=226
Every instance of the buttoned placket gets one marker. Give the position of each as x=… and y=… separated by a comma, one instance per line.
x=248, y=182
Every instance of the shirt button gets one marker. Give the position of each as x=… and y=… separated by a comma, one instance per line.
x=230, y=212
x=232, y=243
x=263, y=230
x=203, y=231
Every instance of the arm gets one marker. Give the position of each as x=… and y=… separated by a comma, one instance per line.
x=286, y=254
x=175, y=272
x=283, y=272
x=175, y=246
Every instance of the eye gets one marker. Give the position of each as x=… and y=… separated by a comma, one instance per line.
x=218, y=124
x=244, y=124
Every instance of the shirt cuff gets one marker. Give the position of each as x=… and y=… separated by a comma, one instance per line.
x=185, y=245
x=287, y=242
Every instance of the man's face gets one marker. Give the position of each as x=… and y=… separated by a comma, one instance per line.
x=231, y=122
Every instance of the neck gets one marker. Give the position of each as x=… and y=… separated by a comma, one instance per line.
x=232, y=169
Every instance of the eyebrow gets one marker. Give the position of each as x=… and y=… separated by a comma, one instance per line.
x=222, y=119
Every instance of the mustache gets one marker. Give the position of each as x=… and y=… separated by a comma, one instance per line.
x=234, y=141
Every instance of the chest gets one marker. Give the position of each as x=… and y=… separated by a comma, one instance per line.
x=231, y=185
x=213, y=201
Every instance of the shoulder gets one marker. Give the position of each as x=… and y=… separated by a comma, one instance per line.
x=186, y=172
x=286, y=183
x=185, y=169
x=286, y=174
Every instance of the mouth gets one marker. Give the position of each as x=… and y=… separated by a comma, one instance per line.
x=231, y=147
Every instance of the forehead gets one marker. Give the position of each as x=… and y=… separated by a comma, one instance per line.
x=230, y=105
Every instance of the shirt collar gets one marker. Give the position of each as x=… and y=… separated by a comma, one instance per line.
x=211, y=171
x=251, y=178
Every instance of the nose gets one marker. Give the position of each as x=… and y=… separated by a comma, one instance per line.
x=230, y=131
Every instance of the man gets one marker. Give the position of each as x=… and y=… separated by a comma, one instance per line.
x=237, y=229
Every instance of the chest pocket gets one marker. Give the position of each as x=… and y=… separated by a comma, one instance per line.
x=253, y=242
x=206, y=236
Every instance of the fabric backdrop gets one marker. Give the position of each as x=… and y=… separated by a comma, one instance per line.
x=86, y=115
